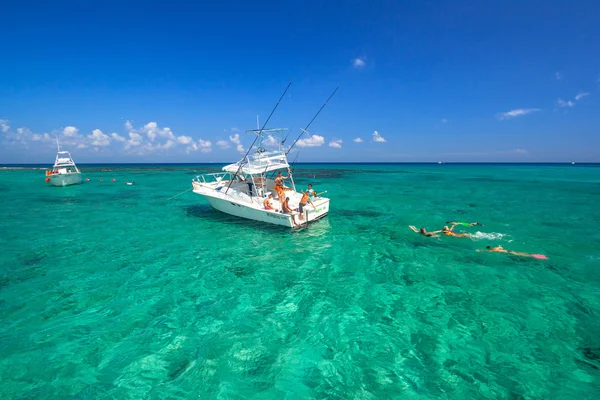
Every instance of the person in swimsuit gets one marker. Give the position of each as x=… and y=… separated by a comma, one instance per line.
x=305, y=199
x=279, y=188
x=267, y=203
x=467, y=224
x=311, y=192
x=450, y=232
x=424, y=232
x=286, y=209
x=500, y=249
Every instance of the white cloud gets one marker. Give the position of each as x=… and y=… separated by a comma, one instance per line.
x=358, y=140
x=562, y=103
x=443, y=120
x=152, y=131
x=98, y=138
x=336, y=143
x=167, y=145
x=117, y=137
x=129, y=126
x=223, y=144
x=271, y=141
x=184, y=139
x=520, y=151
x=205, y=145
x=581, y=95
x=81, y=146
x=234, y=130
x=135, y=139
x=378, y=138
x=70, y=131
x=311, y=141
x=236, y=140
x=559, y=76
x=23, y=131
x=516, y=113
x=4, y=127
x=36, y=137
x=358, y=62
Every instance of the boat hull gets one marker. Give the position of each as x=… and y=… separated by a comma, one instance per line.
x=239, y=209
x=65, y=179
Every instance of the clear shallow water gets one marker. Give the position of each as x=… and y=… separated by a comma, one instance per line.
x=108, y=290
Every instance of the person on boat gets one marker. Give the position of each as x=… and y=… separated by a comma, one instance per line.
x=500, y=249
x=267, y=203
x=424, y=232
x=101, y=180
x=311, y=192
x=303, y=201
x=286, y=209
x=279, y=186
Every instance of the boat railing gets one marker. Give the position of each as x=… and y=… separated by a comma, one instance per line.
x=213, y=178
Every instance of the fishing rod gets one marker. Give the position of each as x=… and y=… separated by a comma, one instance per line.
x=288, y=134
x=311, y=121
x=257, y=136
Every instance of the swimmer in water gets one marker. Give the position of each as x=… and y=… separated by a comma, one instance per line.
x=450, y=232
x=467, y=224
x=424, y=232
x=500, y=249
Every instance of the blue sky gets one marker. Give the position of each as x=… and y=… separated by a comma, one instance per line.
x=419, y=80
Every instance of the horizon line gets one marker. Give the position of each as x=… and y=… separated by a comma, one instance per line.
x=327, y=162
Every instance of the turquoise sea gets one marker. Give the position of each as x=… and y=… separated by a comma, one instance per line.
x=116, y=291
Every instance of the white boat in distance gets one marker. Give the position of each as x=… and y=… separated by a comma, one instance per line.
x=242, y=188
x=64, y=172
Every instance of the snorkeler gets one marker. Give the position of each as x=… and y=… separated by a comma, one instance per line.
x=424, y=232
x=450, y=232
x=466, y=224
x=500, y=249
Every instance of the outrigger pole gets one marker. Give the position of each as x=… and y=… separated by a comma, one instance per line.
x=311, y=121
x=257, y=136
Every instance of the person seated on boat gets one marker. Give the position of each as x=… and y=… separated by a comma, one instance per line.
x=424, y=232
x=286, y=209
x=305, y=199
x=267, y=203
x=285, y=206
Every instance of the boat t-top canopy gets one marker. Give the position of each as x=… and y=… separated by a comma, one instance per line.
x=259, y=163
x=263, y=160
x=63, y=159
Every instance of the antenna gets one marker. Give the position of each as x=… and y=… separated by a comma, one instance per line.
x=57, y=145
x=311, y=121
x=257, y=125
x=258, y=135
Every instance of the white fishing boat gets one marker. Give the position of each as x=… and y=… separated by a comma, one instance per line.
x=64, y=172
x=241, y=189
